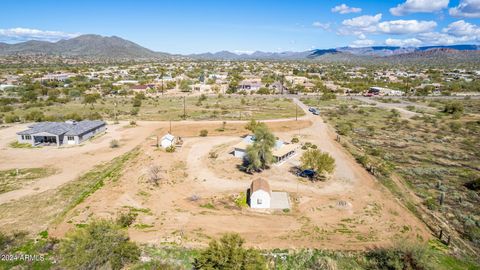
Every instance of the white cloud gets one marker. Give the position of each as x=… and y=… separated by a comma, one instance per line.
x=414, y=6
x=324, y=26
x=362, y=43
x=372, y=25
x=455, y=33
x=344, y=9
x=360, y=25
x=409, y=42
x=23, y=34
x=462, y=28
x=466, y=9
x=401, y=27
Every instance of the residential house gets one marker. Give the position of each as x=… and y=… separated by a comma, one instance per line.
x=68, y=132
x=281, y=151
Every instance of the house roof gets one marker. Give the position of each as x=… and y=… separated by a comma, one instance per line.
x=168, y=137
x=280, y=149
x=260, y=184
x=59, y=128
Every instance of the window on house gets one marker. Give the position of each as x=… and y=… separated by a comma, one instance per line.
x=70, y=138
x=23, y=137
x=28, y=137
x=259, y=201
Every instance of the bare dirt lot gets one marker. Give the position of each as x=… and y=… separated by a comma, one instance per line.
x=197, y=196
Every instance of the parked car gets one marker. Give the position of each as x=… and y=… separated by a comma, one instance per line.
x=311, y=109
x=316, y=112
x=308, y=174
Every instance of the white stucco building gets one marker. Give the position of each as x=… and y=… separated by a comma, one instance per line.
x=167, y=140
x=260, y=194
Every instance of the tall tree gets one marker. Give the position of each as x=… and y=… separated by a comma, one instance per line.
x=317, y=160
x=259, y=154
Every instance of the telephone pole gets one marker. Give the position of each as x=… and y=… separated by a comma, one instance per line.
x=184, y=109
x=296, y=112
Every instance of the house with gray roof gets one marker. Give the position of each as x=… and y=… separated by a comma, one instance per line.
x=59, y=133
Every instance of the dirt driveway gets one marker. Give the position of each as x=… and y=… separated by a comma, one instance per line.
x=197, y=199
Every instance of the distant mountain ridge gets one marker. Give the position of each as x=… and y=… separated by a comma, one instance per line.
x=116, y=48
x=83, y=46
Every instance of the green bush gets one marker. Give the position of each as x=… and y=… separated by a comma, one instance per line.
x=402, y=256
x=203, y=133
x=170, y=149
x=11, y=118
x=114, y=144
x=100, y=244
x=124, y=220
x=229, y=253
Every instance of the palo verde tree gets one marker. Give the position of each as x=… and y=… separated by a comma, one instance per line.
x=259, y=154
x=90, y=99
x=229, y=253
x=317, y=160
x=101, y=244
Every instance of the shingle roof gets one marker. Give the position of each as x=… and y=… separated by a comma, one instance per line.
x=260, y=184
x=59, y=128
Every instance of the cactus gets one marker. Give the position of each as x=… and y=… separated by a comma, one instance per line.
x=442, y=198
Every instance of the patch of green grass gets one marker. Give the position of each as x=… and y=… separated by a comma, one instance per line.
x=241, y=200
x=17, y=178
x=208, y=206
x=53, y=205
x=16, y=144
x=142, y=226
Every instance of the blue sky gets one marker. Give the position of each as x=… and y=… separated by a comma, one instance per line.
x=207, y=26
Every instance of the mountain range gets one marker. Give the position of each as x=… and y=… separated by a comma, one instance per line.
x=117, y=49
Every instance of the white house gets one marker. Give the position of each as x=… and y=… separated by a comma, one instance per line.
x=260, y=194
x=167, y=140
x=281, y=151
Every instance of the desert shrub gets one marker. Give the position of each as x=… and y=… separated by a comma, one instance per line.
x=155, y=265
x=453, y=107
x=170, y=149
x=133, y=123
x=134, y=111
x=100, y=244
x=213, y=155
x=11, y=118
x=344, y=128
x=36, y=116
x=154, y=174
x=473, y=185
x=295, y=140
x=126, y=219
x=403, y=255
x=114, y=143
x=203, y=133
x=455, y=126
x=229, y=253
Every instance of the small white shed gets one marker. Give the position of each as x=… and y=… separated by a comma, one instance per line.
x=260, y=194
x=167, y=140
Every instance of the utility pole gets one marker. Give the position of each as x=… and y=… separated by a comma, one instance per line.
x=170, y=130
x=296, y=112
x=115, y=111
x=184, y=109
